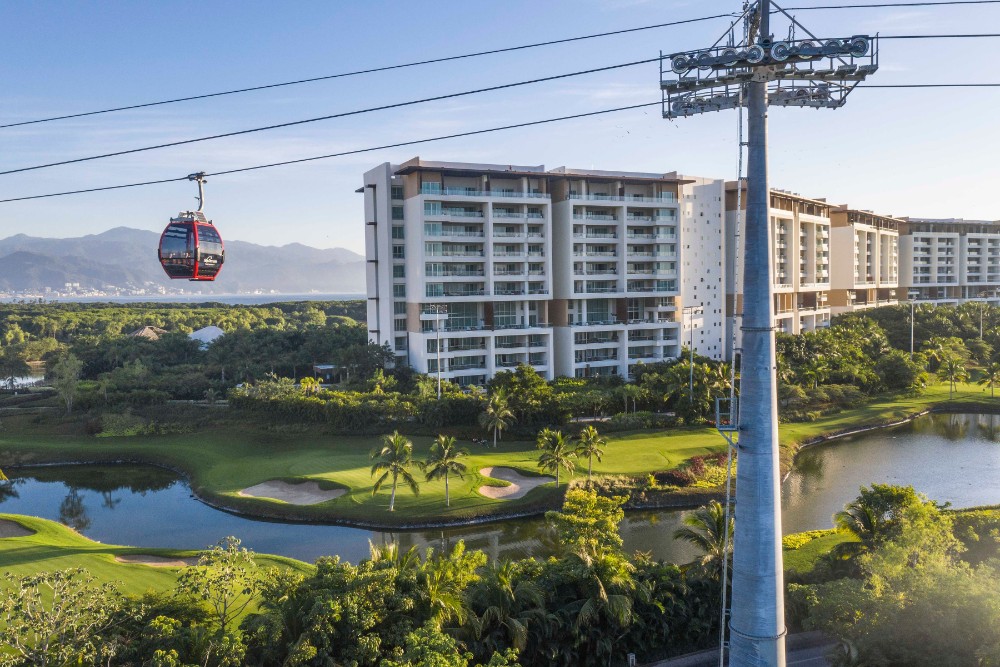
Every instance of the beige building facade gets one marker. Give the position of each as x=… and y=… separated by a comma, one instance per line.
x=865, y=249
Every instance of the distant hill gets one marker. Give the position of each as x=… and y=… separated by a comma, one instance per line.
x=125, y=257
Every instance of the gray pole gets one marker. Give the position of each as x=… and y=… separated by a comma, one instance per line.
x=691, y=356
x=757, y=622
x=439, y=350
x=912, y=304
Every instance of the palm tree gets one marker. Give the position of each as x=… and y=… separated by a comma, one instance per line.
x=443, y=461
x=508, y=602
x=396, y=457
x=952, y=369
x=389, y=553
x=497, y=416
x=309, y=385
x=589, y=444
x=557, y=453
x=991, y=377
x=706, y=529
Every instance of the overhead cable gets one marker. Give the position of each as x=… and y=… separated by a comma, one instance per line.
x=344, y=114
x=442, y=138
x=373, y=70
x=881, y=5
x=343, y=153
x=475, y=54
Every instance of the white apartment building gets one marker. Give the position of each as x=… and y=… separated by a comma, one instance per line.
x=950, y=260
x=871, y=243
x=574, y=272
x=800, y=238
x=458, y=269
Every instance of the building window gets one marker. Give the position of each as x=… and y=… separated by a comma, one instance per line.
x=399, y=291
x=400, y=343
x=399, y=308
x=398, y=252
x=396, y=191
x=397, y=212
x=397, y=232
x=400, y=324
x=399, y=271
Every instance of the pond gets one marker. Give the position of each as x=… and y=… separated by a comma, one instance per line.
x=953, y=458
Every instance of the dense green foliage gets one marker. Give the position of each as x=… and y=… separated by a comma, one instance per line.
x=438, y=609
x=917, y=588
x=286, y=339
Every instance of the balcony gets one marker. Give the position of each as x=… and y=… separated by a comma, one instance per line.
x=452, y=232
x=604, y=217
x=435, y=189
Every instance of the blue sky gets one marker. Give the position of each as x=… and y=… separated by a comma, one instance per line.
x=914, y=152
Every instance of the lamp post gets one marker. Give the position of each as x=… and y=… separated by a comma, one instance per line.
x=913, y=294
x=439, y=310
x=982, y=295
x=691, y=311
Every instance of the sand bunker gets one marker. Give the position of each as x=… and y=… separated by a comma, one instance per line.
x=10, y=528
x=306, y=493
x=519, y=484
x=156, y=561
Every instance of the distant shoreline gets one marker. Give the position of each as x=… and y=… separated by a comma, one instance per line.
x=230, y=299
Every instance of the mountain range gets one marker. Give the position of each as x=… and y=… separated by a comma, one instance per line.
x=125, y=258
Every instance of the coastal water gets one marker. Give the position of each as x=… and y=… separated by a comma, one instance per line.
x=950, y=458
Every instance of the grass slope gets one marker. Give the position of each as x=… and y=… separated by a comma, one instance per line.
x=56, y=547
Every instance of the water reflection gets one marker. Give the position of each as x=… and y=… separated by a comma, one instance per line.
x=949, y=457
x=72, y=511
x=8, y=489
x=146, y=506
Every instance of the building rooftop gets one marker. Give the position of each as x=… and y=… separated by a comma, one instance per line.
x=469, y=168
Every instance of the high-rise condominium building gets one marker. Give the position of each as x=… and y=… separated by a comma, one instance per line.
x=800, y=235
x=476, y=268
x=949, y=261
x=868, y=243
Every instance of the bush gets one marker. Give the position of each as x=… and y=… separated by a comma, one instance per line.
x=117, y=425
x=675, y=477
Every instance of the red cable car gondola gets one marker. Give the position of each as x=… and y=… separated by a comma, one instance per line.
x=190, y=246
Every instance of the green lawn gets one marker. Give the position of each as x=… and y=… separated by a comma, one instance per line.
x=221, y=461
x=56, y=547
x=804, y=558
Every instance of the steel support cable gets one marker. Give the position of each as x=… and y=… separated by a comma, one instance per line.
x=881, y=5
x=345, y=114
x=734, y=415
x=432, y=139
x=373, y=70
x=475, y=54
x=436, y=98
x=345, y=153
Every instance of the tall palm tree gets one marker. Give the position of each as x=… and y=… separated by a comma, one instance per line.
x=589, y=445
x=991, y=377
x=557, y=453
x=952, y=369
x=706, y=529
x=395, y=458
x=497, y=416
x=443, y=461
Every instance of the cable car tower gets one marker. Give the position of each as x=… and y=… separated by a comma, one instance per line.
x=755, y=72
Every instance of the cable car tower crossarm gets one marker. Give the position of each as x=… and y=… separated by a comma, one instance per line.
x=758, y=72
